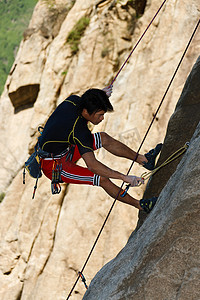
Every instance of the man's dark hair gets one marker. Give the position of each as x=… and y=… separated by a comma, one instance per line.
x=94, y=100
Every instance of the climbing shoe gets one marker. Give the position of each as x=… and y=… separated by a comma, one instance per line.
x=148, y=204
x=151, y=157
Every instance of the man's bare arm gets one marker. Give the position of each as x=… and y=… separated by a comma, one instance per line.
x=100, y=169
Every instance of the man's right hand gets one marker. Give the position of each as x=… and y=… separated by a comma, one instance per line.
x=133, y=180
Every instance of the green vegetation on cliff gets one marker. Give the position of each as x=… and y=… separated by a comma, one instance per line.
x=76, y=33
x=15, y=17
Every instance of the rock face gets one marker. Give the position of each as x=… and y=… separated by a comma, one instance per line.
x=24, y=96
x=161, y=258
x=45, y=241
x=182, y=124
x=181, y=127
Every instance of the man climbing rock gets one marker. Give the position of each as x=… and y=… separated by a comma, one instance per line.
x=66, y=138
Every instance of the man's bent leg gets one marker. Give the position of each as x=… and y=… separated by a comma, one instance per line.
x=72, y=173
x=113, y=190
x=119, y=149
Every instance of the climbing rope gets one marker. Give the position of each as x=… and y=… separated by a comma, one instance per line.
x=172, y=157
x=123, y=65
x=144, y=138
x=148, y=174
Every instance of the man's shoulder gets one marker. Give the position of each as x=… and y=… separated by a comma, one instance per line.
x=68, y=105
x=73, y=99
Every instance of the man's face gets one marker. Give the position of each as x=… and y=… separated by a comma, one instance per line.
x=95, y=118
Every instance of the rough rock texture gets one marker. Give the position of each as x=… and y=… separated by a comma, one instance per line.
x=24, y=96
x=166, y=247
x=181, y=127
x=161, y=260
x=46, y=241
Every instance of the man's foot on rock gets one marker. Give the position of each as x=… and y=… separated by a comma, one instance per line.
x=151, y=157
x=148, y=204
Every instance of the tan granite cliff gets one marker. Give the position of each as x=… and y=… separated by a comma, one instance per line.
x=45, y=241
x=161, y=258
